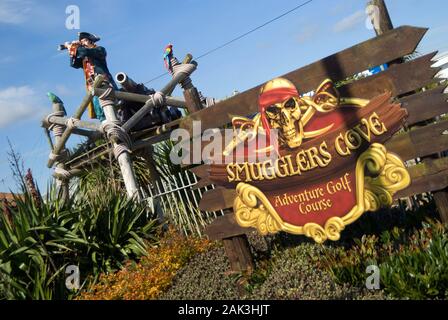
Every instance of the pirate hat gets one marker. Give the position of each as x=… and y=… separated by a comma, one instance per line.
x=89, y=36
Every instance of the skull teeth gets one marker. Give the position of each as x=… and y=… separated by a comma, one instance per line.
x=289, y=133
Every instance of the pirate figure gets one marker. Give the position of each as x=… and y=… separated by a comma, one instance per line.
x=85, y=54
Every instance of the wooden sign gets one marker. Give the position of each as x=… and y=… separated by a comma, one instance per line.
x=325, y=168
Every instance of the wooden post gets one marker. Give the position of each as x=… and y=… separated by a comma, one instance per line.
x=238, y=252
x=381, y=21
x=191, y=94
x=234, y=239
x=192, y=100
x=124, y=158
x=148, y=155
x=62, y=183
x=441, y=199
x=59, y=146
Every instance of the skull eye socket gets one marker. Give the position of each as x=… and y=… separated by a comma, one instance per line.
x=272, y=110
x=290, y=104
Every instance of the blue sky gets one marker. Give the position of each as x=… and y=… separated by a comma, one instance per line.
x=135, y=33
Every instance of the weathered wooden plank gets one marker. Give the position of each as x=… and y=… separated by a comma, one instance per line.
x=231, y=254
x=242, y=250
x=420, y=142
x=398, y=79
x=192, y=100
x=425, y=105
x=389, y=46
x=201, y=171
x=431, y=175
x=217, y=199
x=202, y=183
x=441, y=199
x=225, y=227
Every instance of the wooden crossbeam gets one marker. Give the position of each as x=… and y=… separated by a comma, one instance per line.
x=425, y=105
x=388, y=47
x=420, y=142
x=78, y=114
x=399, y=79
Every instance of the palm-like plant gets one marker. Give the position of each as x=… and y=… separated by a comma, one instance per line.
x=97, y=229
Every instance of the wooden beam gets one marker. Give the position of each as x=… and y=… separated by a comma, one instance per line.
x=238, y=251
x=192, y=100
x=391, y=45
x=225, y=227
x=441, y=199
x=63, y=121
x=123, y=158
x=201, y=171
x=425, y=105
x=129, y=96
x=78, y=114
x=430, y=175
x=219, y=198
x=398, y=79
x=420, y=142
x=381, y=19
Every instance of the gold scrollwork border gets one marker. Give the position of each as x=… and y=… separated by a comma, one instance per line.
x=379, y=175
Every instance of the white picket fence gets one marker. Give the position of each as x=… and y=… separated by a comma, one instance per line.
x=177, y=199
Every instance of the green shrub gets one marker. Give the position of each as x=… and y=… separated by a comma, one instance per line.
x=420, y=271
x=412, y=264
x=95, y=229
x=288, y=274
x=294, y=275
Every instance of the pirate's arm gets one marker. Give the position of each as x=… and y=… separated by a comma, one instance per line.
x=78, y=54
x=97, y=52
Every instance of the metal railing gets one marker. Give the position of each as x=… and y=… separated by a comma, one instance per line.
x=176, y=199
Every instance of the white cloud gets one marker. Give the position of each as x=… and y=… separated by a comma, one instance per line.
x=62, y=90
x=350, y=21
x=19, y=104
x=14, y=11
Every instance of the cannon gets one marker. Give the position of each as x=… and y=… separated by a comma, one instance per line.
x=155, y=117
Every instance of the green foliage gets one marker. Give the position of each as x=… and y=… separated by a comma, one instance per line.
x=285, y=273
x=96, y=229
x=164, y=165
x=420, y=270
x=412, y=264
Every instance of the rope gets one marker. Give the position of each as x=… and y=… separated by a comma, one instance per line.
x=119, y=149
x=206, y=101
x=58, y=157
x=60, y=172
x=107, y=98
x=71, y=123
x=182, y=68
x=57, y=129
x=159, y=99
x=54, y=157
x=116, y=133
